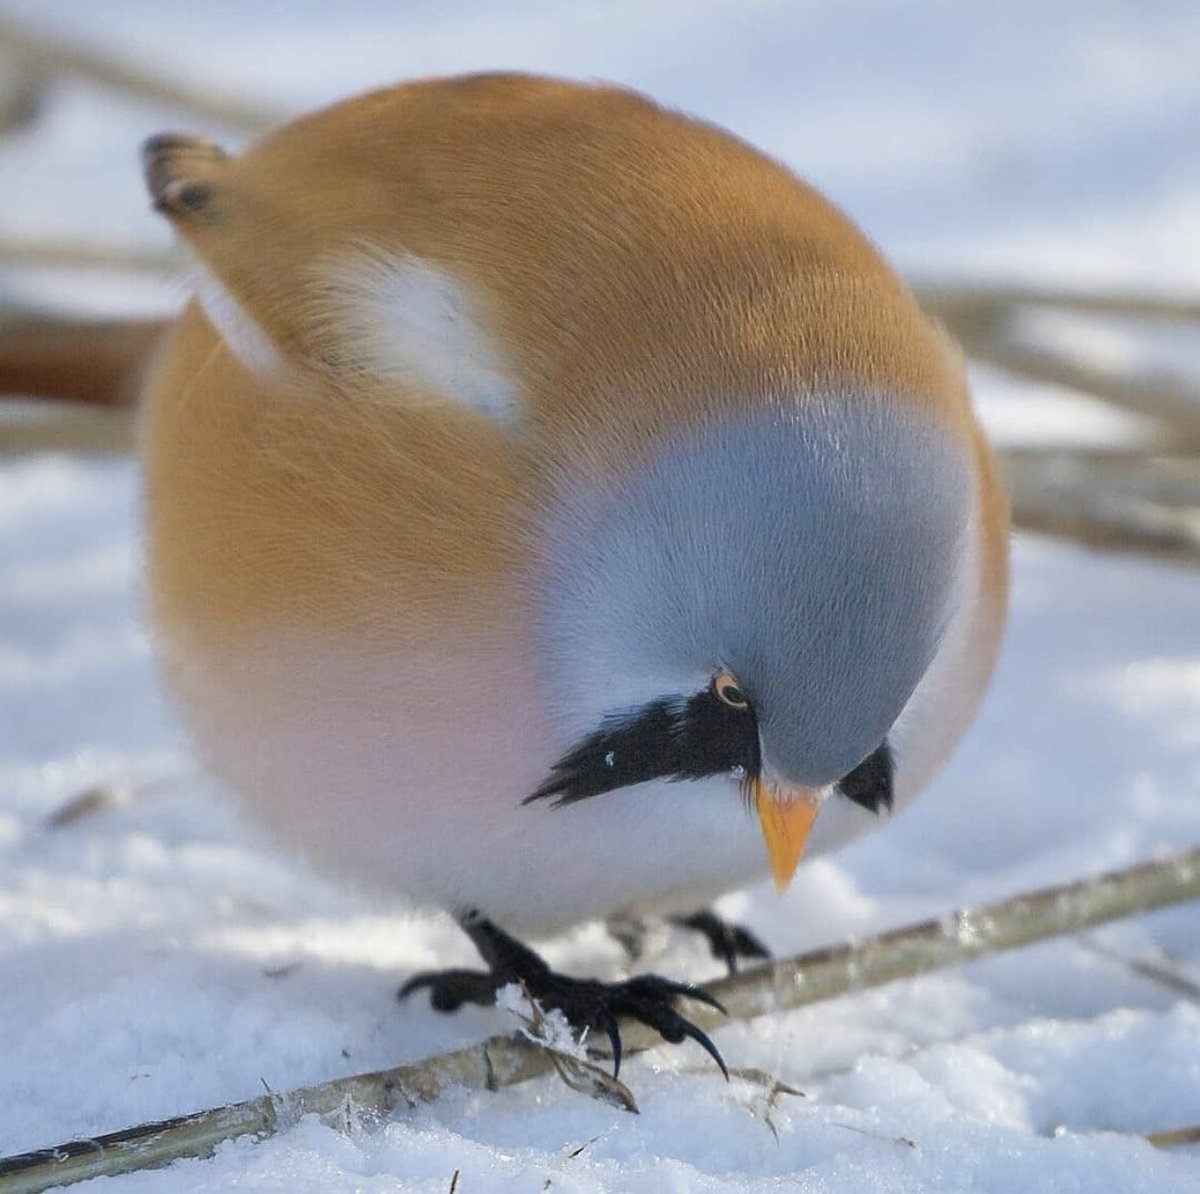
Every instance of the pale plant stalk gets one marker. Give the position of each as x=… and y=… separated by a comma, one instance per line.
x=956, y=302
x=1146, y=506
x=1175, y=1137
x=1160, y=396
x=52, y=55
x=74, y=253
x=505, y=1060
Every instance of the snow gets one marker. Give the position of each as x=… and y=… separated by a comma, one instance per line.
x=159, y=957
x=549, y=1028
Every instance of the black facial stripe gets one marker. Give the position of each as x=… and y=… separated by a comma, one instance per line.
x=622, y=752
x=715, y=737
x=663, y=740
x=870, y=783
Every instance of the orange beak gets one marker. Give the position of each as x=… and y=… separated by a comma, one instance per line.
x=786, y=825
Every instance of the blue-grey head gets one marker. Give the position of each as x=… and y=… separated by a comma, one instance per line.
x=759, y=598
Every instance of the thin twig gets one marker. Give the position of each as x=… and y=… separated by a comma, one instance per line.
x=45, y=52
x=1108, y=522
x=506, y=1060
x=95, y=799
x=1175, y=1137
x=1148, y=506
x=62, y=252
x=949, y=301
x=1158, y=479
x=83, y=360
x=987, y=335
x=22, y=98
x=1156, y=971
x=86, y=430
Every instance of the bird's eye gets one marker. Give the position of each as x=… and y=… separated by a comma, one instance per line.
x=726, y=688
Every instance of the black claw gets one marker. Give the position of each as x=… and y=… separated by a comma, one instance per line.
x=728, y=942
x=426, y=979
x=747, y=945
x=450, y=989
x=614, y=1041
x=702, y=1039
x=586, y=1003
x=700, y=995
x=652, y=986
x=630, y=933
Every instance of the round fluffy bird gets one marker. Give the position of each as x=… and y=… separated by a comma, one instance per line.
x=555, y=509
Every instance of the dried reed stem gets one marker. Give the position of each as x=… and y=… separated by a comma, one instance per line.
x=45, y=53
x=505, y=1060
x=67, y=253
x=950, y=301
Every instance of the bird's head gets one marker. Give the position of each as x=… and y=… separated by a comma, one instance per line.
x=757, y=598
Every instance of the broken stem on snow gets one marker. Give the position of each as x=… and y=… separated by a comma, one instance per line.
x=505, y=1060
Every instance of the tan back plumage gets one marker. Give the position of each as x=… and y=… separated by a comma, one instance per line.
x=633, y=267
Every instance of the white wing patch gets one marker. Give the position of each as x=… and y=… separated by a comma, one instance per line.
x=242, y=336
x=406, y=321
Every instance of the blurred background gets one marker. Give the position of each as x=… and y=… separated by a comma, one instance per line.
x=1031, y=166
x=1017, y=143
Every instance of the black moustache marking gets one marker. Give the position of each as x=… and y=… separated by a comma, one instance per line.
x=704, y=736
x=663, y=740
x=870, y=783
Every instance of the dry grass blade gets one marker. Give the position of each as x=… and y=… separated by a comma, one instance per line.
x=580, y=1149
x=70, y=253
x=950, y=301
x=89, y=369
x=905, y=1141
x=901, y=953
x=1160, y=480
x=1113, y=500
x=585, y=1078
x=1132, y=506
x=65, y=428
x=984, y=319
x=1175, y=1137
x=771, y=1087
x=22, y=97
x=1160, y=972
x=99, y=362
x=765, y=1079
x=89, y=802
x=986, y=331
x=762, y=990
x=571, y=1066
x=52, y=55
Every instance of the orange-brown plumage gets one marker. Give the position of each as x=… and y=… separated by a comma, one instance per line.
x=519, y=187
x=339, y=544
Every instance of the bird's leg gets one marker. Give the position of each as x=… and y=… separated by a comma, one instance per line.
x=727, y=941
x=630, y=933
x=587, y=1004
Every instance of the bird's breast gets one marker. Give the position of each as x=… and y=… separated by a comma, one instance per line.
x=404, y=773
x=391, y=765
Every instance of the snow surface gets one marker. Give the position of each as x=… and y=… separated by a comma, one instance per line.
x=159, y=957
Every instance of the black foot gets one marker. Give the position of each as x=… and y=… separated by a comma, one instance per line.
x=585, y=1002
x=631, y=933
x=728, y=942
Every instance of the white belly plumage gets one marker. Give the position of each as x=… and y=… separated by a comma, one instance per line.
x=406, y=775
